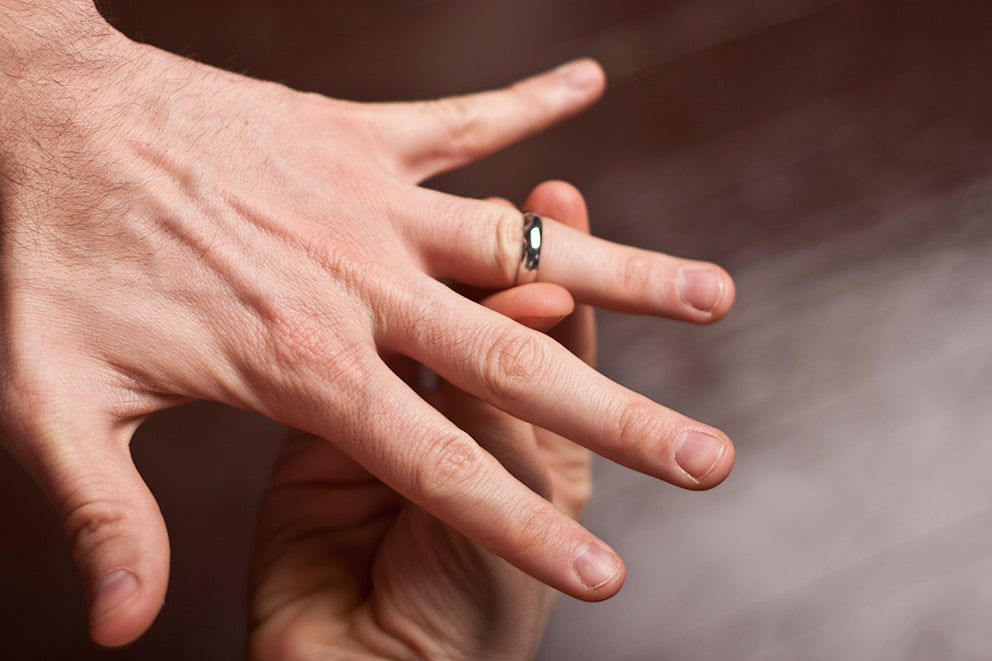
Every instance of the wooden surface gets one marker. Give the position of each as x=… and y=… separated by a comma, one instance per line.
x=835, y=156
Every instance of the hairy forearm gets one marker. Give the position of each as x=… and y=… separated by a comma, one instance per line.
x=38, y=32
x=58, y=60
x=45, y=45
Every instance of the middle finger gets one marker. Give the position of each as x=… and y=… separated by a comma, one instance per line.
x=532, y=377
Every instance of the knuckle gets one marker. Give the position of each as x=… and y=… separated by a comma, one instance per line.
x=449, y=468
x=460, y=117
x=293, y=339
x=93, y=524
x=510, y=363
x=540, y=529
x=638, y=425
x=494, y=232
x=308, y=360
x=506, y=253
x=300, y=343
x=636, y=276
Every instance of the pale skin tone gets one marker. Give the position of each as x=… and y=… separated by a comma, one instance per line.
x=345, y=568
x=174, y=232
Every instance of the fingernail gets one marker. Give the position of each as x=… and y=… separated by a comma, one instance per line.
x=595, y=565
x=697, y=453
x=700, y=289
x=579, y=74
x=113, y=591
x=542, y=324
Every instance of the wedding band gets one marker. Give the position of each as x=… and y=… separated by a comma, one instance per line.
x=530, y=253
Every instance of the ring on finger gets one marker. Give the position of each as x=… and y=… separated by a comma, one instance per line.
x=530, y=253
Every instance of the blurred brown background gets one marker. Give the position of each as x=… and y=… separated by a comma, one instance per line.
x=835, y=156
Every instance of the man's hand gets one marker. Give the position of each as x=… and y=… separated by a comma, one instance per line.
x=345, y=567
x=169, y=231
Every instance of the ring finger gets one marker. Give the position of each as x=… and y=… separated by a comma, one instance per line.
x=482, y=244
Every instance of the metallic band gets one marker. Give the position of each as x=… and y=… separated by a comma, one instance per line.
x=530, y=254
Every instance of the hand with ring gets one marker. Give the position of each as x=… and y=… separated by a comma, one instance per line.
x=174, y=232
x=346, y=567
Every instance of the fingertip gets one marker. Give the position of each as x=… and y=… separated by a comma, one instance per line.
x=562, y=201
x=728, y=296
x=119, y=608
x=539, y=305
x=583, y=76
x=705, y=457
x=540, y=324
x=599, y=570
x=707, y=291
x=440, y=135
x=726, y=466
x=125, y=599
x=119, y=542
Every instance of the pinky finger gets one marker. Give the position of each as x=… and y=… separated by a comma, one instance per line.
x=444, y=470
x=539, y=305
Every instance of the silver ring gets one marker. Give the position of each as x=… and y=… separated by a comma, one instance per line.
x=530, y=253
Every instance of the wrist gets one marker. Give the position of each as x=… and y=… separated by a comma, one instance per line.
x=58, y=60
x=45, y=46
x=43, y=32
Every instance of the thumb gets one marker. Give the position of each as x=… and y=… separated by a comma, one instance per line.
x=118, y=537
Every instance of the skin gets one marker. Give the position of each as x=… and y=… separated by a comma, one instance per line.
x=169, y=232
x=345, y=568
